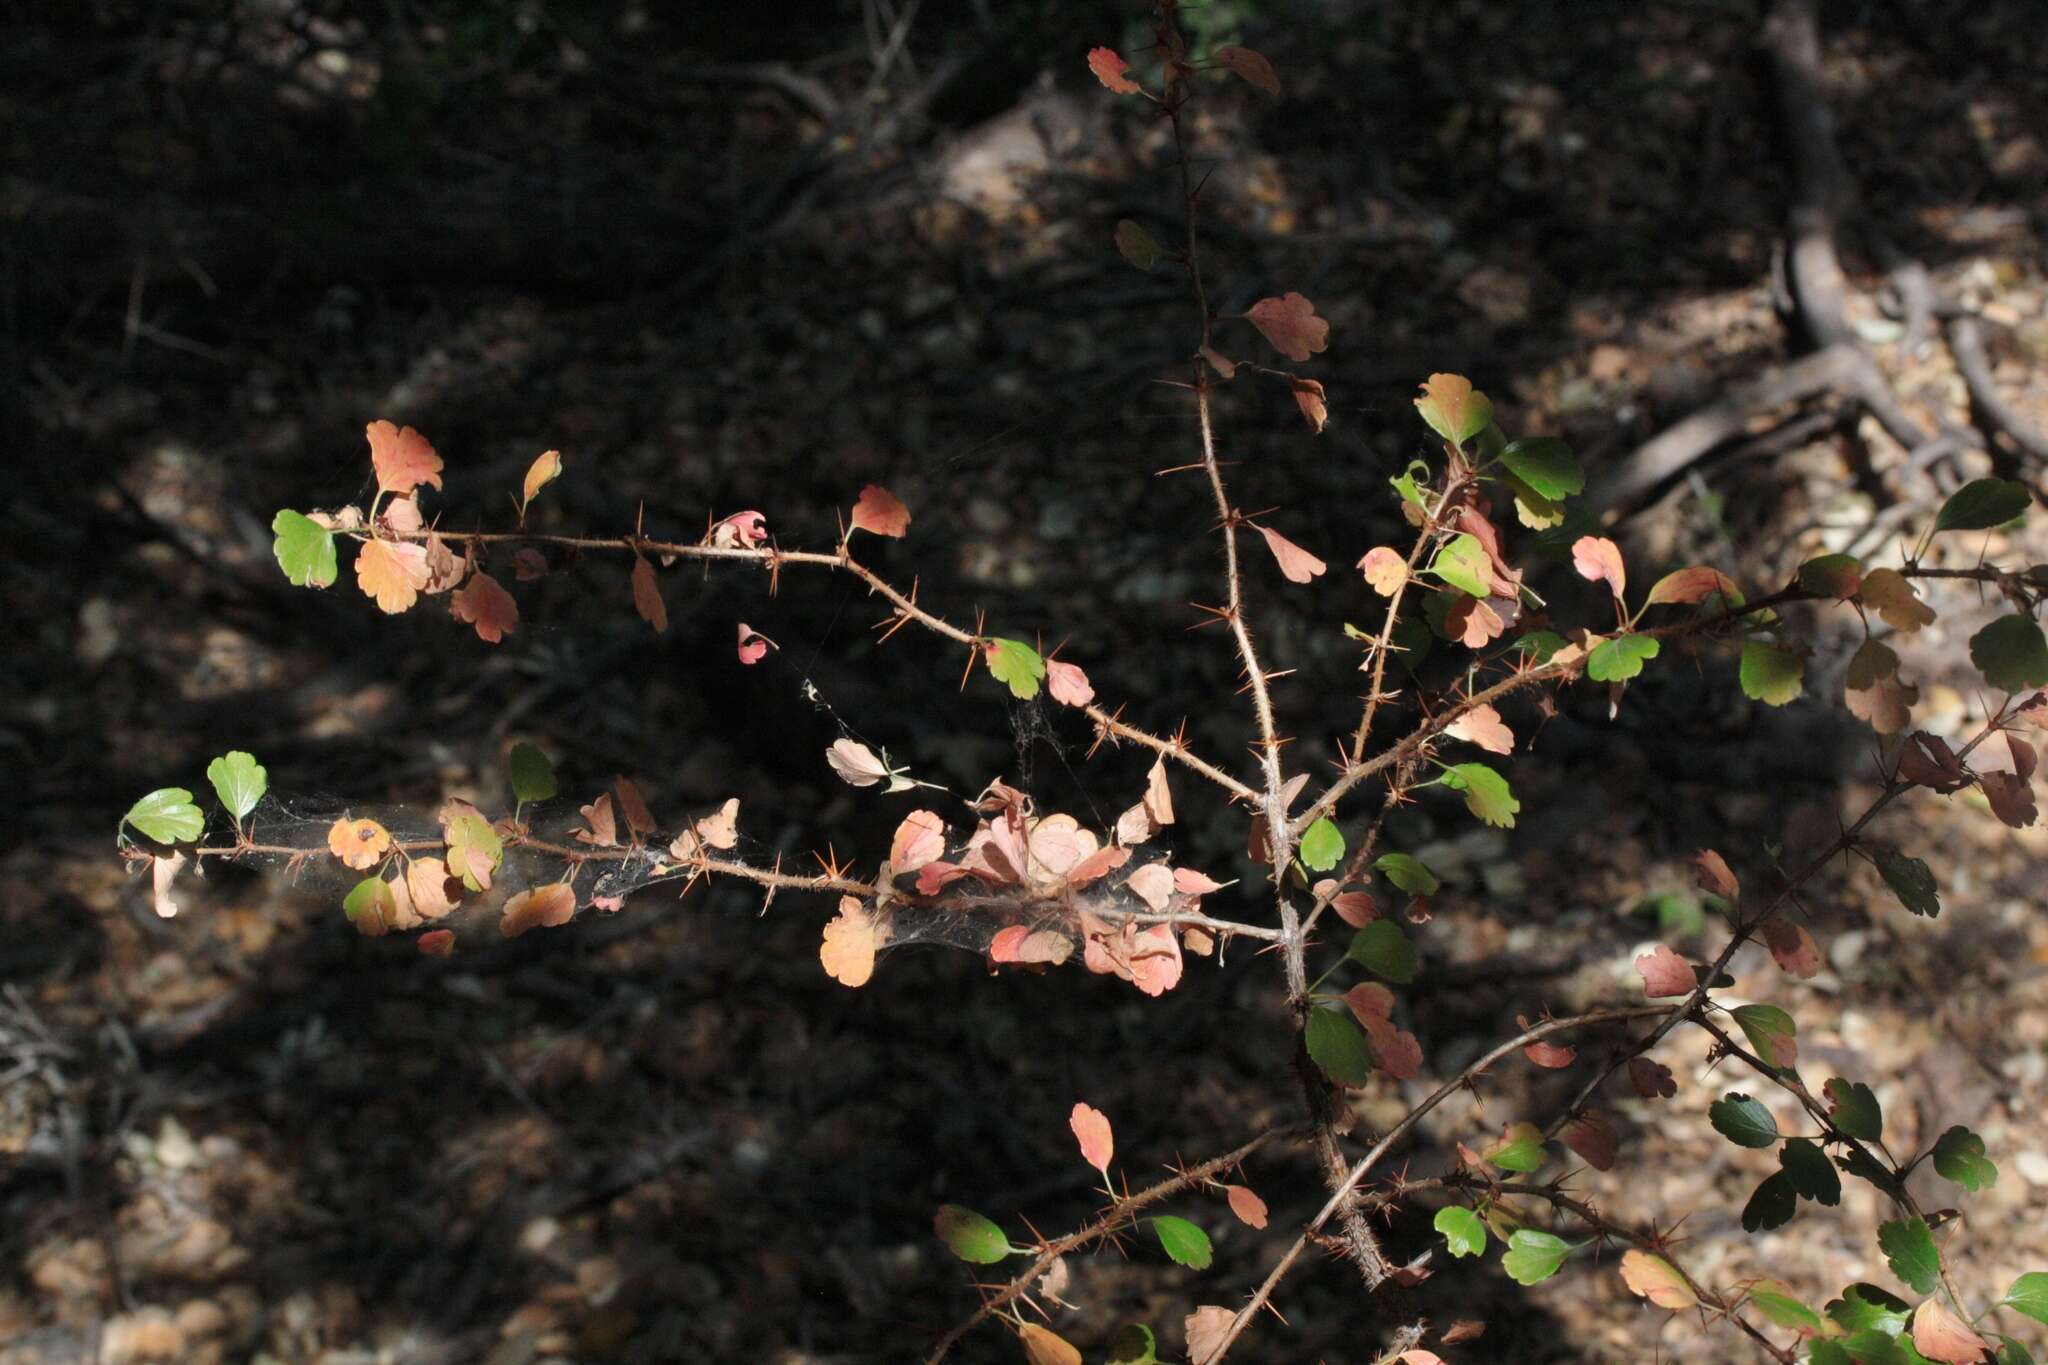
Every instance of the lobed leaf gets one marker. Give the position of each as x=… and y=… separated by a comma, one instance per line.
x=304, y=550
x=239, y=781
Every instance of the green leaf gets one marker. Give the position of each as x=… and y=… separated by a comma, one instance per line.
x=970, y=1236
x=1487, y=794
x=1771, y=1032
x=1909, y=1249
x=1533, y=1256
x=1982, y=504
x=1742, y=1120
x=1338, y=1046
x=239, y=781
x=1520, y=1149
x=167, y=815
x=1136, y=245
x=1836, y=576
x=1782, y=1308
x=2013, y=1353
x=1959, y=1156
x=1875, y=1347
x=1810, y=1171
x=1463, y=1231
x=1532, y=509
x=1547, y=466
x=1825, y=1352
x=1322, y=844
x=1015, y=663
x=1854, y=1108
x=1676, y=916
x=1912, y=881
x=1464, y=564
x=1771, y=1206
x=1187, y=1244
x=1410, y=874
x=1621, y=658
x=533, y=776
x=1133, y=1344
x=468, y=836
x=304, y=549
x=2011, y=653
x=1454, y=409
x=2029, y=1295
x=1409, y=482
x=1770, y=674
x=1382, y=949
x=1866, y=1307
x=1539, y=645
x=371, y=895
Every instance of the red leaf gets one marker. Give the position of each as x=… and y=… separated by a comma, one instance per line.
x=1356, y=908
x=487, y=606
x=1249, y=66
x=2012, y=800
x=1246, y=1204
x=437, y=942
x=403, y=459
x=1483, y=726
x=1092, y=1131
x=1792, y=947
x=647, y=595
x=1597, y=558
x=1067, y=683
x=1550, y=1056
x=1474, y=623
x=1651, y=1079
x=1369, y=1001
x=1296, y=564
x=1109, y=68
x=1927, y=761
x=1309, y=397
x=880, y=512
x=1665, y=973
x=1591, y=1135
x=1291, y=324
x=1714, y=875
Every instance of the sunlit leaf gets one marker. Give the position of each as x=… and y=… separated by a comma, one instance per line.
x=1291, y=325
x=1771, y=1032
x=1322, y=845
x=1771, y=674
x=1487, y=794
x=1621, y=658
x=1463, y=1231
x=1533, y=1256
x=1016, y=664
x=1453, y=408
x=304, y=550
x=239, y=781
x=1654, y=1278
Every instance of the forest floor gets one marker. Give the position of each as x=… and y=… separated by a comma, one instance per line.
x=250, y=1133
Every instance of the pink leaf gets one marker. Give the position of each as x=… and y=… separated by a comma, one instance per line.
x=1654, y=1278
x=1356, y=908
x=1792, y=947
x=881, y=512
x=1189, y=882
x=1296, y=564
x=1152, y=884
x=1940, y=1335
x=1714, y=875
x=1067, y=683
x=848, y=952
x=403, y=459
x=1291, y=324
x=1665, y=973
x=740, y=531
x=919, y=840
x=1598, y=558
x=1369, y=1000
x=1314, y=404
x=753, y=646
x=1483, y=726
x=1155, y=959
x=1091, y=1130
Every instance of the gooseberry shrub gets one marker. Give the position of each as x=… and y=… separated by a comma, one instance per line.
x=1452, y=615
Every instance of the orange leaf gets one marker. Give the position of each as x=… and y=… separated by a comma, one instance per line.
x=392, y=572
x=1654, y=1278
x=1043, y=1346
x=881, y=512
x=542, y=472
x=437, y=942
x=1291, y=324
x=1091, y=1130
x=487, y=606
x=403, y=459
x=848, y=951
x=1682, y=587
x=639, y=819
x=1474, y=622
x=1309, y=397
x=543, y=907
x=1296, y=564
x=1246, y=1204
x=1384, y=569
x=1714, y=875
x=1249, y=66
x=647, y=596
x=1109, y=68
x=360, y=844
x=434, y=892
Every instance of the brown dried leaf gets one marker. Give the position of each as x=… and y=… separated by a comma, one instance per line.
x=1291, y=325
x=487, y=606
x=543, y=907
x=647, y=595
